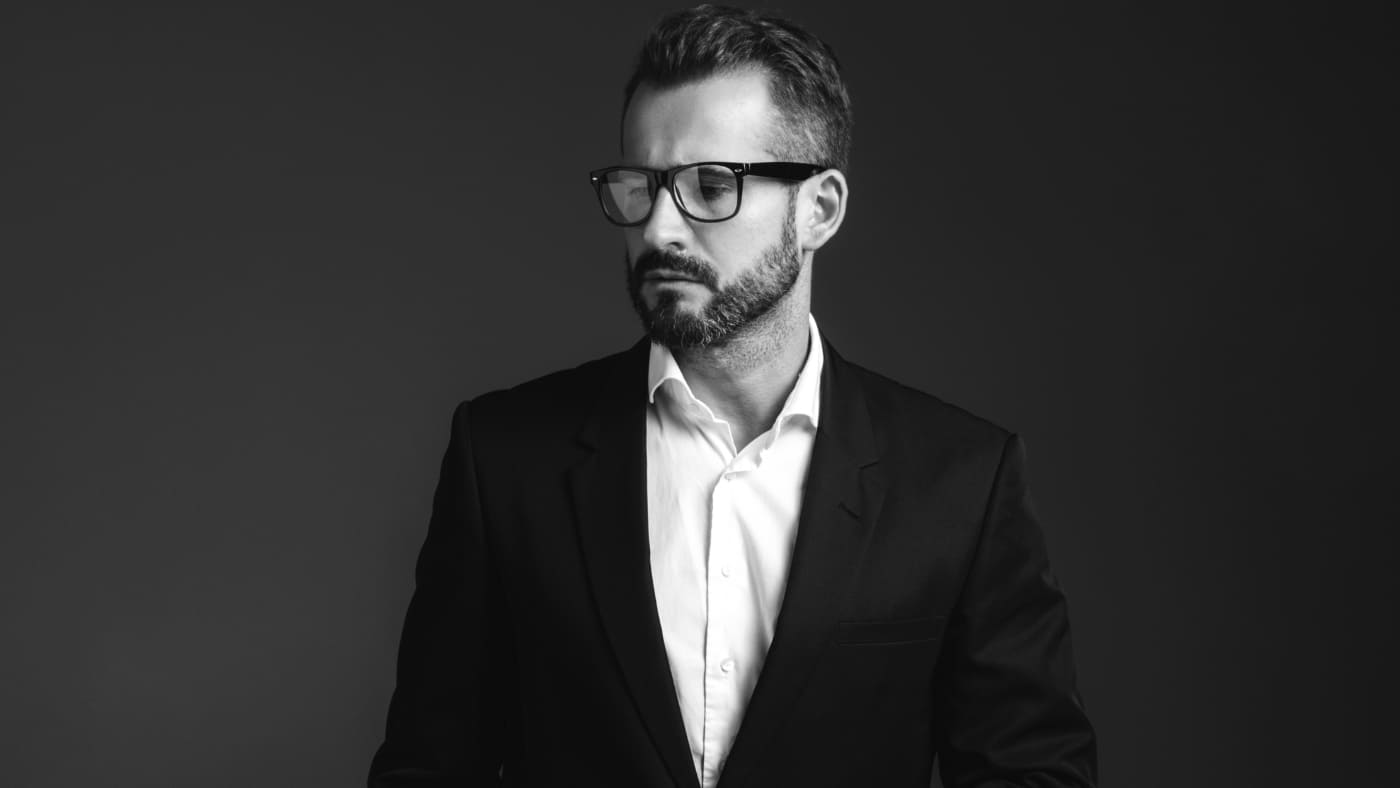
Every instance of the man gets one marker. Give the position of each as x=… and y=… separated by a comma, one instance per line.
x=728, y=556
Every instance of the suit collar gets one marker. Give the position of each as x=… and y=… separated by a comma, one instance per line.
x=609, y=493
x=841, y=503
x=840, y=507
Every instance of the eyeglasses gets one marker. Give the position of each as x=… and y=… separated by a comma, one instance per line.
x=707, y=191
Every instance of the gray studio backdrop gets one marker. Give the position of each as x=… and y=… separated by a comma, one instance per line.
x=253, y=257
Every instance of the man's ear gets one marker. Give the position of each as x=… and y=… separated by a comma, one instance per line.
x=821, y=208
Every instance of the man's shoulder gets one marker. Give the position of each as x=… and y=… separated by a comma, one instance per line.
x=901, y=412
x=562, y=395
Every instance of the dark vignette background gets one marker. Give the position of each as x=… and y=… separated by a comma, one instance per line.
x=252, y=256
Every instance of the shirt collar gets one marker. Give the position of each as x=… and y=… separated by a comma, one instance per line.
x=804, y=399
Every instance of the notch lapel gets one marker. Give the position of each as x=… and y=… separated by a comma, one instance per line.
x=841, y=502
x=609, y=490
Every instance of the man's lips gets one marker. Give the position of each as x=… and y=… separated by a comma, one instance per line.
x=668, y=276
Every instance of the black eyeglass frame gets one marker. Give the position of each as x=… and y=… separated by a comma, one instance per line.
x=659, y=179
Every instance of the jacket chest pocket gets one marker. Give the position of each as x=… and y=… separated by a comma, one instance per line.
x=889, y=631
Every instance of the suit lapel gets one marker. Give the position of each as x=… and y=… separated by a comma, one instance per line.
x=610, y=500
x=841, y=502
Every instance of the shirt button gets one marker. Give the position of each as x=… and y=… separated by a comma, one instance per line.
x=727, y=665
x=724, y=570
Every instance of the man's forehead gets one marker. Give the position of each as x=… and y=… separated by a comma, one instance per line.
x=725, y=116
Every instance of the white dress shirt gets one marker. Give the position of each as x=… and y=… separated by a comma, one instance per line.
x=722, y=521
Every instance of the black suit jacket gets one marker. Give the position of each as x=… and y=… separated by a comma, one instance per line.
x=920, y=616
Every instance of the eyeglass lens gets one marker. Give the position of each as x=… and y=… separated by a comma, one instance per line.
x=705, y=191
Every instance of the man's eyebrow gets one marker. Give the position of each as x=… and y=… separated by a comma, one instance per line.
x=666, y=165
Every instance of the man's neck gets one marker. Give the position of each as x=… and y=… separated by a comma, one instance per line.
x=746, y=380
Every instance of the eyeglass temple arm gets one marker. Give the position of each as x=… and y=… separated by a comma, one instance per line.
x=787, y=170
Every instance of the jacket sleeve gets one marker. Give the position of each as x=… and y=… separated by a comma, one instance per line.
x=447, y=720
x=1009, y=714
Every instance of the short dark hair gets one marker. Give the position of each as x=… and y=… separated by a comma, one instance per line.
x=804, y=76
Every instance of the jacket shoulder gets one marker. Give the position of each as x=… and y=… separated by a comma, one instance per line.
x=556, y=402
x=908, y=413
x=574, y=380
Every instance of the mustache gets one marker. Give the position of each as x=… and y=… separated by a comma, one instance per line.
x=658, y=260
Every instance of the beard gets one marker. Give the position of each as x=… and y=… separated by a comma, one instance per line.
x=730, y=308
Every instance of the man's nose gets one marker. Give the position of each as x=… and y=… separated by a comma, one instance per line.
x=666, y=226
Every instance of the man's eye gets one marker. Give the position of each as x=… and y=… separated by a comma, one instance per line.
x=714, y=190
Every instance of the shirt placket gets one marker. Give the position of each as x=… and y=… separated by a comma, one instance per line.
x=721, y=667
x=725, y=571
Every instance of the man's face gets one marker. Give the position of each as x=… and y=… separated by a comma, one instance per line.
x=693, y=283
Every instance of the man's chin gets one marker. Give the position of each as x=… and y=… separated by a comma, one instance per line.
x=675, y=300
x=679, y=329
